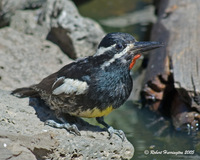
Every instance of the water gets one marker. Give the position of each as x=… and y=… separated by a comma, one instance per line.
x=153, y=137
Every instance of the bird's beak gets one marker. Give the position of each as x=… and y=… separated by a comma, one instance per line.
x=140, y=47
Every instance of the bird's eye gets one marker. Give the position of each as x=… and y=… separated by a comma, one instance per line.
x=119, y=46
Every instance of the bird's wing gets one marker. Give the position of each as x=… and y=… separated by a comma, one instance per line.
x=69, y=86
x=71, y=79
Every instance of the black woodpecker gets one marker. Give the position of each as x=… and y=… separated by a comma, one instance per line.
x=94, y=86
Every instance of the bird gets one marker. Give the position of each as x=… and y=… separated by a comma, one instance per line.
x=94, y=86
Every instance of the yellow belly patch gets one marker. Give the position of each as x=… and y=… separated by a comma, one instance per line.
x=95, y=112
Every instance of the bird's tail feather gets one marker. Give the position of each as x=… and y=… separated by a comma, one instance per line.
x=25, y=92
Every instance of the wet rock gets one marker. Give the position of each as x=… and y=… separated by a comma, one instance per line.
x=67, y=27
x=23, y=135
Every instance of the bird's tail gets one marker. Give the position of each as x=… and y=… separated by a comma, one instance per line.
x=25, y=92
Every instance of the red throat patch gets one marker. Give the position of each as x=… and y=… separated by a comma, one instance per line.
x=134, y=60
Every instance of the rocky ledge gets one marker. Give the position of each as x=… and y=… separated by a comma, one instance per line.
x=23, y=135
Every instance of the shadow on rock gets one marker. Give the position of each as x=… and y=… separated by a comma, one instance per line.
x=44, y=113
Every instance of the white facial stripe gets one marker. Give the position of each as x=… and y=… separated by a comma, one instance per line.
x=71, y=86
x=117, y=56
x=102, y=50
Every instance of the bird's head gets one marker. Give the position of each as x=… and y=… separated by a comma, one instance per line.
x=122, y=48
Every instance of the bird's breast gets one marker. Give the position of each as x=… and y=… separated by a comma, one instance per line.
x=92, y=113
x=109, y=89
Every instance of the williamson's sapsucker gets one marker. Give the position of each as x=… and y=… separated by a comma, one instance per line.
x=92, y=86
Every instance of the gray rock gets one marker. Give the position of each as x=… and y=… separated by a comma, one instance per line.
x=60, y=22
x=25, y=59
x=8, y=8
x=67, y=27
x=24, y=136
x=26, y=21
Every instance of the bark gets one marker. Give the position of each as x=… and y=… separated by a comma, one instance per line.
x=172, y=80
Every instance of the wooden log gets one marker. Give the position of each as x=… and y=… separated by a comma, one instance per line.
x=173, y=71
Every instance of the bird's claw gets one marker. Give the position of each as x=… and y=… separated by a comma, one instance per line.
x=112, y=131
x=74, y=129
x=71, y=128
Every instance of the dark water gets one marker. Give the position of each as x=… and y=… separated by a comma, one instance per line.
x=153, y=137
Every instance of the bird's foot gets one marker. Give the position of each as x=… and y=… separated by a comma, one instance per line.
x=112, y=131
x=71, y=128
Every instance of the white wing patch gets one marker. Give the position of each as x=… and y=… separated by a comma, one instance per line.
x=71, y=86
